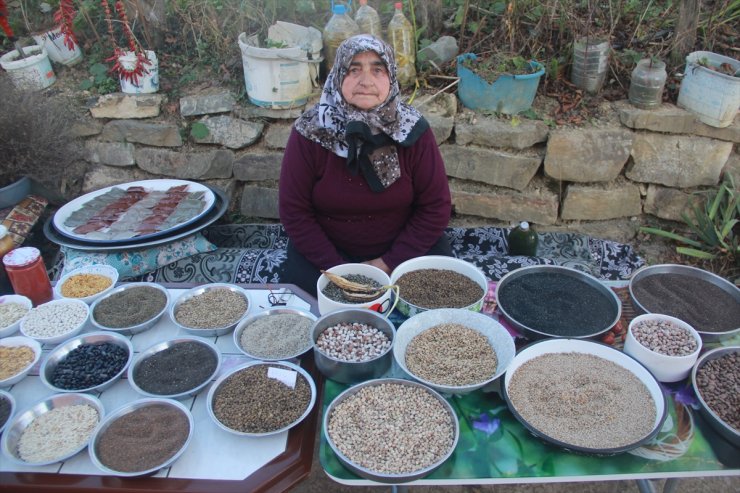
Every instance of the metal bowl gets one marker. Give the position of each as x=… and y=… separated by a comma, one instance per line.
x=161, y=346
x=197, y=291
x=134, y=329
x=497, y=335
x=242, y=326
x=61, y=337
x=16, y=341
x=543, y=332
x=102, y=270
x=59, y=353
x=278, y=364
x=12, y=328
x=699, y=275
x=21, y=420
x=126, y=409
x=350, y=371
x=727, y=431
x=387, y=477
x=11, y=402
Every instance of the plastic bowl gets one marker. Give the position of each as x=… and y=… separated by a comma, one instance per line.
x=242, y=326
x=13, y=327
x=665, y=368
x=133, y=329
x=497, y=335
x=161, y=346
x=59, y=353
x=22, y=419
x=17, y=341
x=724, y=429
x=327, y=305
x=11, y=402
x=440, y=262
x=45, y=308
x=102, y=270
x=200, y=290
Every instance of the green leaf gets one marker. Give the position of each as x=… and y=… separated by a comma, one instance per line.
x=86, y=84
x=98, y=70
x=670, y=236
x=198, y=130
x=692, y=252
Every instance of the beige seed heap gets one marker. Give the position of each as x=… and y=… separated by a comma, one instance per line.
x=57, y=433
x=451, y=354
x=13, y=359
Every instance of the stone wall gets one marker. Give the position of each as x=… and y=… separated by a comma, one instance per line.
x=603, y=178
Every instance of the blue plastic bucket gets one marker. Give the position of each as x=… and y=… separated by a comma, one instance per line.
x=509, y=94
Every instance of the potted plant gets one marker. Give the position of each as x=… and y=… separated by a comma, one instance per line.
x=711, y=88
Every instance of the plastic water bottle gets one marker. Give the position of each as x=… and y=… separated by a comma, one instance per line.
x=401, y=38
x=438, y=53
x=647, y=83
x=368, y=20
x=523, y=240
x=340, y=27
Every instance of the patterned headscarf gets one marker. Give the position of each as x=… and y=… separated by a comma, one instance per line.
x=366, y=138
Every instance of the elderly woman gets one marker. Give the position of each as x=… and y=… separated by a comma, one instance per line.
x=362, y=178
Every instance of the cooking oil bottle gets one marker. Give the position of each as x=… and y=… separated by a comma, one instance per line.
x=401, y=38
x=368, y=20
x=340, y=27
x=523, y=240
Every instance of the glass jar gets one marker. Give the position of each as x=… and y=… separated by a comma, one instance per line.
x=523, y=240
x=27, y=274
x=647, y=83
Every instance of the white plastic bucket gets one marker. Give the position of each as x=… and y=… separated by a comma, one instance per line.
x=148, y=82
x=33, y=72
x=276, y=77
x=58, y=52
x=712, y=96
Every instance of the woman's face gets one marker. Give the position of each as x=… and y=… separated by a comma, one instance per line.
x=367, y=83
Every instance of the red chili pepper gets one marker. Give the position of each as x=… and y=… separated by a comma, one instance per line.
x=608, y=338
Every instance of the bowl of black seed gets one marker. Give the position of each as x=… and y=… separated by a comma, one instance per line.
x=436, y=281
x=175, y=369
x=210, y=310
x=715, y=378
x=543, y=301
x=331, y=297
x=130, y=308
x=90, y=362
x=7, y=407
x=261, y=398
x=275, y=334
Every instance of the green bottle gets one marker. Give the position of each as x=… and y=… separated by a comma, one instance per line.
x=523, y=240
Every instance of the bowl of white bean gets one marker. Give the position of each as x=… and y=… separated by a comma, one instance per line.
x=275, y=334
x=51, y=430
x=211, y=309
x=18, y=354
x=13, y=308
x=55, y=321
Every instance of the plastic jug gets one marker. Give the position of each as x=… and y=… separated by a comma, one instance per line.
x=368, y=20
x=523, y=240
x=340, y=27
x=401, y=38
x=647, y=83
x=440, y=52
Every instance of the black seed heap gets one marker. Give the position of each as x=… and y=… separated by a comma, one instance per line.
x=89, y=365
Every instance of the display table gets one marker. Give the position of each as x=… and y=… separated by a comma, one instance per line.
x=215, y=460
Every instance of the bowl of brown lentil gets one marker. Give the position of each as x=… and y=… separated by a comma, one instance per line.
x=13, y=308
x=142, y=437
x=51, y=430
x=175, y=369
x=7, y=408
x=370, y=419
x=260, y=398
x=353, y=345
x=18, y=354
x=584, y=396
x=211, y=309
x=130, y=308
x=453, y=351
x=714, y=379
x=436, y=281
x=275, y=334
x=56, y=321
x=87, y=283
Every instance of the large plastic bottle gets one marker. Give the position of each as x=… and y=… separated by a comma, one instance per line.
x=368, y=20
x=340, y=27
x=401, y=38
x=523, y=240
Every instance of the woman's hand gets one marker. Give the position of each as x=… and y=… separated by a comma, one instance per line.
x=380, y=264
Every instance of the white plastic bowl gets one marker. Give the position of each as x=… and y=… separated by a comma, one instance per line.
x=102, y=270
x=56, y=339
x=665, y=368
x=18, y=341
x=327, y=305
x=11, y=329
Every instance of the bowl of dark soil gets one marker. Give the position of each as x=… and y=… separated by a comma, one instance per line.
x=553, y=301
x=131, y=308
x=584, y=396
x=706, y=301
x=714, y=378
x=333, y=297
x=275, y=334
x=436, y=281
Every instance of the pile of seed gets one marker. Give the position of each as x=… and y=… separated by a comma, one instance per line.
x=718, y=381
x=438, y=288
x=277, y=336
x=353, y=342
x=335, y=293
x=251, y=402
x=5, y=409
x=10, y=313
x=582, y=400
x=176, y=369
x=665, y=337
x=14, y=359
x=392, y=428
x=89, y=365
x=129, y=307
x=451, y=354
x=83, y=285
x=57, y=433
x=54, y=319
x=213, y=309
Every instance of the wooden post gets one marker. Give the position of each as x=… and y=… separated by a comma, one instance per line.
x=688, y=18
